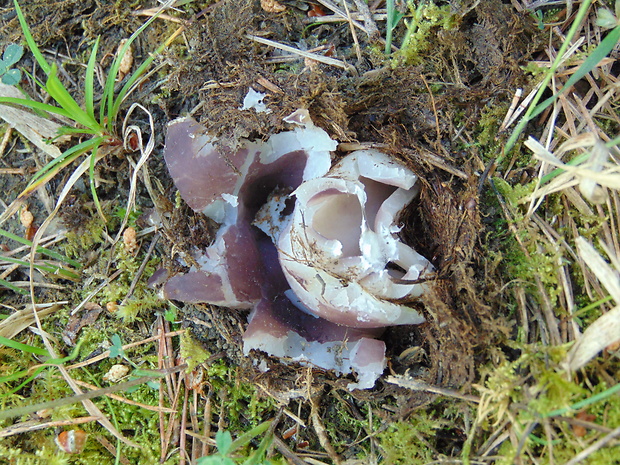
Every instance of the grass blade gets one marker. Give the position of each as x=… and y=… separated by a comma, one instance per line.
x=584, y=403
x=23, y=347
x=512, y=140
x=32, y=45
x=66, y=130
x=600, y=52
x=50, y=170
x=13, y=287
x=113, y=103
x=47, y=267
x=12, y=377
x=93, y=188
x=108, y=102
x=246, y=437
x=41, y=250
x=35, y=105
x=89, y=81
x=62, y=96
x=18, y=375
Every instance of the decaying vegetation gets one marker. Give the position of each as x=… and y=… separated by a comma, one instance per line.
x=507, y=111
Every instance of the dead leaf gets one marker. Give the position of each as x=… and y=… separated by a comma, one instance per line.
x=606, y=330
x=34, y=128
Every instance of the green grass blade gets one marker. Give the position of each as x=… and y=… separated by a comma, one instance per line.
x=512, y=140
x=72, y=356
x=89, y=82
x=584, y=403
x=113, y=103
x=63, y=160
x=30, y=40
x=122, y=94
x=58, y=361
x=53, y=85
x=47, y=267
x=62, y=96
x=259, y=454
x=601, y=51
x=393, y=18
x=41, y=250
x=34, y=105
x=13, y=287
x=13, y=377
x=246, y=437
x=23, y=347
x=20, y=374
x=66, y=130
x=108, y=102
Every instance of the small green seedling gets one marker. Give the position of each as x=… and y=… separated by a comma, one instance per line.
x=8, y=75
x=393, y=17
x=226, y=447
x=116, y=349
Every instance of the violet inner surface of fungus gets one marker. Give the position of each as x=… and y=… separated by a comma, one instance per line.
x=312, y=249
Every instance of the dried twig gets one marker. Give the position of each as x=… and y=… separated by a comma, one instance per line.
x=416, y=385
x=33, y=425
x=369, y=22
x=312, y=56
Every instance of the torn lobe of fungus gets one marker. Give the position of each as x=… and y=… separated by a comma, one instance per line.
x=315, y=266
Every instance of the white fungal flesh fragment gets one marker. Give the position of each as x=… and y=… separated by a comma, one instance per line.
x=313, y=251
x=254, y=99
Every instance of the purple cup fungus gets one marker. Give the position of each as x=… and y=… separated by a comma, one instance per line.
x=312, y=251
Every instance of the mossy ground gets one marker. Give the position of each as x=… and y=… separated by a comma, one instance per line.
x=500, y=321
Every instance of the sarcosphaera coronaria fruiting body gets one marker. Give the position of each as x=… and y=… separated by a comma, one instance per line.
x=312, y=249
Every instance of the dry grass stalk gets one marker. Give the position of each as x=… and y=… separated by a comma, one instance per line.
x=312, y=56
x=415, y=385
x=21, y=319
x=570, y=196
x=34, y=425
x=124, y=400
x=106, y=354
x=584, y=454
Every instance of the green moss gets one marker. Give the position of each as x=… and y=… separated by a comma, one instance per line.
x=241, y=403
x=488, y=127
x=514, y=194
x=407, y=442
x=46, y=454
x=119, y=259
x=142, y=301
x=531, y=389
x=192, y=351
x=80, y=241
x=426, y=18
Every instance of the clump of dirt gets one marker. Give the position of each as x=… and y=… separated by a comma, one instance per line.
x=422, y=113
